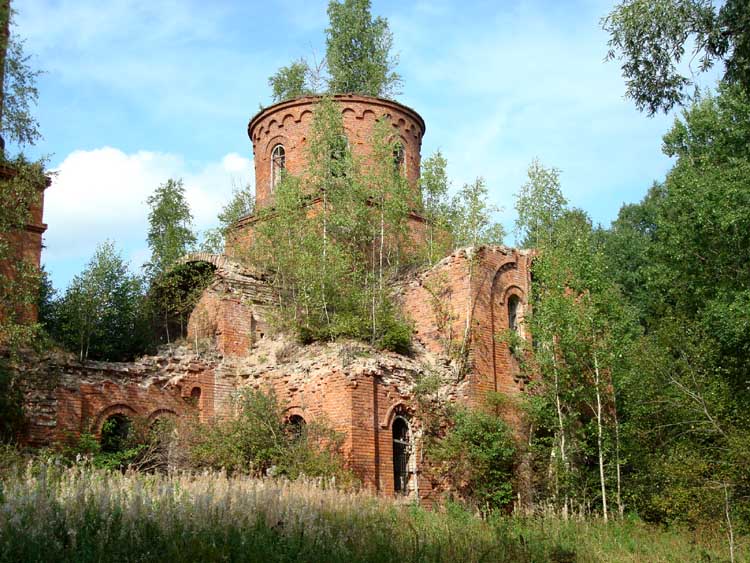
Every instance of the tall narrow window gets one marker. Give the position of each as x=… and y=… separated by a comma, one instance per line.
x=339, y=150
x=278, y=164
x=401, y=453
x=398, y=157
x=513, y=302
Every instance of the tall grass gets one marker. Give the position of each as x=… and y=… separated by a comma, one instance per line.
x=53, y=513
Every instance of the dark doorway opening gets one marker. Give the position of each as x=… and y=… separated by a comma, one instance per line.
x=401, y=453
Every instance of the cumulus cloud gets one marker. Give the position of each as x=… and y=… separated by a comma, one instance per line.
x=101, y=194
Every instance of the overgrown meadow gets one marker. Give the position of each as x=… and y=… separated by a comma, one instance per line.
x=50, y=512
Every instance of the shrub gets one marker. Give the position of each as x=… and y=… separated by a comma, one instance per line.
x=476, y=456
x=258, y=441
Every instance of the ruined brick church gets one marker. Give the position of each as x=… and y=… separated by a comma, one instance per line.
x=368, y=398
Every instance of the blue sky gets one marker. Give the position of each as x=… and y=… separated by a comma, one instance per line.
x=137, y=91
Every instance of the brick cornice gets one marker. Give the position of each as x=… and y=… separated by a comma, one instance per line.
x=310, y=100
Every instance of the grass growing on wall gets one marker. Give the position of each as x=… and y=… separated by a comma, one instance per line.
x=52, y=513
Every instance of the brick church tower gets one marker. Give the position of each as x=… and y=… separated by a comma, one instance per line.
x=280, y=133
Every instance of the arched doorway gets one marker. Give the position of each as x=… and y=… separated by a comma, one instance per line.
x=115, y=433
x=295, y=426
x=402, y=455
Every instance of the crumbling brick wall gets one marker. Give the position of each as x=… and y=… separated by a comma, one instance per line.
x=65, y=398
x=459, y=307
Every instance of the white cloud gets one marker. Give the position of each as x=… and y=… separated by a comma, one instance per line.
x=101, y=194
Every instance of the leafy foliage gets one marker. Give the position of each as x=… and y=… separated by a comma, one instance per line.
x=334, y=238
x=434, y=186
x=477, y=455
x=11, y=404
x=358, y=58
x=259, y=441
x=98, y=316
x=640, y=335
x=290, y=81
x=472, y=223
x=539, y=205
x=172, y=296
x=20, y=191
x=358, y=50
x=242, y=204
x=170, y=234
x=651, y=38
x=18, y=85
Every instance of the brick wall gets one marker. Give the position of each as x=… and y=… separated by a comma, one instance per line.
x=223, y=321
x=441, y=300
x=64, y=398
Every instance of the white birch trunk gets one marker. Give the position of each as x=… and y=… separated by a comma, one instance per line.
x=599, y=428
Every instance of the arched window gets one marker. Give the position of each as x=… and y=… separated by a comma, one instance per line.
x=295, y=426
x=115, y=432
x=278, y=165
x=513, y=304
x=401, y=454
x=399, y=155
x=339, y=149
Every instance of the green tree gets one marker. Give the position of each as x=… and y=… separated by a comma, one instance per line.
x=21, y=183
x=476, y=456
x=170, y=237
x=472, y=223
x=260, y=441
x=18, y=91
x=539, y=205
x=170, y=233
x=680, y=257
x=651, y=37
x=583, y=334
x=98, y=315
x=242, y=204
x=290, y=81
x=11, y=404
x=335, y=236
x=358, y=51
x=436, y=206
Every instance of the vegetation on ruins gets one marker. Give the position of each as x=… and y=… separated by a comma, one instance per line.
x=170, y=232
x=358, y=50
x=18, y=91
x=290, y=82
x=241, y=205
x=330, y=264
x=358, y=58
x=21, y=182
x=172, y=290
x=260, y=440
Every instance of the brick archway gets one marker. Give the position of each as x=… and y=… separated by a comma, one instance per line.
x=104, y=414
x=396, y=409
x=160, y=413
